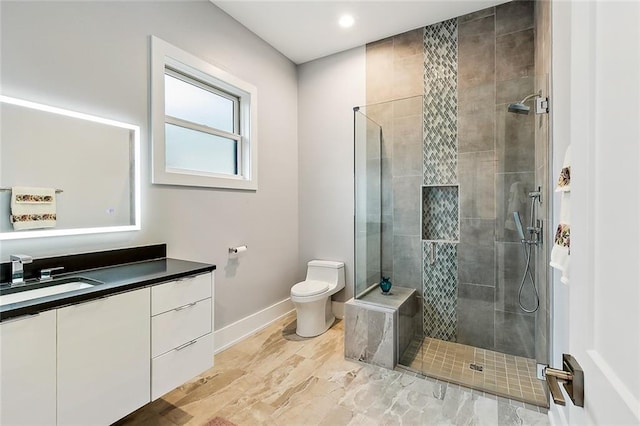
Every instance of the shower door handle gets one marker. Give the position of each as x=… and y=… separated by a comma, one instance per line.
x=432, y=254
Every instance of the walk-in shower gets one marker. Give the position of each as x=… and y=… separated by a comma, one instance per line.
x=446, y=179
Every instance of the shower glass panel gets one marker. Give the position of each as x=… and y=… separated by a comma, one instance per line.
x=368, y=201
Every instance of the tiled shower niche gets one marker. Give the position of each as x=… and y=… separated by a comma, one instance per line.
x=440, y=213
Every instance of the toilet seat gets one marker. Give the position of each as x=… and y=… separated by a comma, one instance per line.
x=309, y=288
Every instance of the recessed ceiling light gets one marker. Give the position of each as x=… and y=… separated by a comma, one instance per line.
x=346, y=21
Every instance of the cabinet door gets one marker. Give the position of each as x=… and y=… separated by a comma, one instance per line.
x=28, y=370
x=104, y=358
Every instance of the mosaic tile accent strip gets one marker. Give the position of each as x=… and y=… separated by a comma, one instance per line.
x=440, y=219
x=440, y=122
x=440, y=290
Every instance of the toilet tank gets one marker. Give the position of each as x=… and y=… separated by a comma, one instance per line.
x=327, y=271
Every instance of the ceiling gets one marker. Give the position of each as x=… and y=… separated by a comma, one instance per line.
x=304, y=30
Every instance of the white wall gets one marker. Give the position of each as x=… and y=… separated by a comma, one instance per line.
x=328, y=89
x=93, y=57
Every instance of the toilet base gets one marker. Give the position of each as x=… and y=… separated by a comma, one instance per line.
x=314, y=318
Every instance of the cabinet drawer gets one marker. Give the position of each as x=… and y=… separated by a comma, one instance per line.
x=181, y=325
x=174, y=294
x=176, y=367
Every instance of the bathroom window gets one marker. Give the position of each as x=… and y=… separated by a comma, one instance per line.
x=201, y=122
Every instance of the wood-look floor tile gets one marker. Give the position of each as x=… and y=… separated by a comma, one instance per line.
x=274, y=378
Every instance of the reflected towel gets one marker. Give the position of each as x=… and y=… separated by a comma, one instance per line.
x=562, y=248
x=517, y=197
x=33, y=208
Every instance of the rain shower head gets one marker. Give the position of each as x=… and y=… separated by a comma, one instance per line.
x=521, y=108
x=518, y=108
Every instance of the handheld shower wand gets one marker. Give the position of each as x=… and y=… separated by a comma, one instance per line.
x=516, y=219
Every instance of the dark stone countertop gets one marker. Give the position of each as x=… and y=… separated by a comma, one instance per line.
x=114, y=279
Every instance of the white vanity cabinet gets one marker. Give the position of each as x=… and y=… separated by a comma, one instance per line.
x=103, y=354
x=28, y=370
x=181, y=332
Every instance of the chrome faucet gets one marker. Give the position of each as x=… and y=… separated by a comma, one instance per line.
x=47, y=274
x=17, y=270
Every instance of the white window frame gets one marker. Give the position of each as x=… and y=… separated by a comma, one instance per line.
x=165, y=56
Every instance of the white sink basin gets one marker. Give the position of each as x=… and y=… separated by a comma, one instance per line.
x=21, y=296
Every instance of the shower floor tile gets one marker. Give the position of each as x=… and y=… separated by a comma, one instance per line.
x=504, y=375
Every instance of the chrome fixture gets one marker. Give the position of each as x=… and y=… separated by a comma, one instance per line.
x=17, y=269
x=47, y=274
x=542, y=104
x=535, y=239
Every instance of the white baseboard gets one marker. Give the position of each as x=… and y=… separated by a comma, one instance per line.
x=338, y=309
x=240, y=330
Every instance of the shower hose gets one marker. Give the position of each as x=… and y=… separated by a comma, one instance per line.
x=527, y=248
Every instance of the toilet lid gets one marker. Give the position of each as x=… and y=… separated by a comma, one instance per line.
x=309, y=288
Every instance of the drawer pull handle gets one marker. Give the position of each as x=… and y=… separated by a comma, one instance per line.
x=181, y=347
x=185, y=306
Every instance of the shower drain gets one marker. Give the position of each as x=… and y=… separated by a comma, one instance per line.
x=475, y=367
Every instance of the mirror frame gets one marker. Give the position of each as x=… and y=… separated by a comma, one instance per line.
x=136, y=226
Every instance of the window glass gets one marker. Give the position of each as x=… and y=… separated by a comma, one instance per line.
x=188, y=149
x=192, y=103
x=203, y=122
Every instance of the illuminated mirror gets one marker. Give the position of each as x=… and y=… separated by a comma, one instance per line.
x=93, y=164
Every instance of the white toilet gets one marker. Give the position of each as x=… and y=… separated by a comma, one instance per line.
x=312, y=297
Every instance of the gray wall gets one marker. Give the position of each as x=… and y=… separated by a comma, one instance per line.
x=328, y=88
x=93, y=57
x=394, y=88
x=496, y=164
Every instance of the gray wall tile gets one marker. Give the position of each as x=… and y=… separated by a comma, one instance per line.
x=407, y=261
x=477, y=191
x=482, y=26
x=514, y=16
x=382, y=115
x=387, y=244
x=476, y=252
x=515, y=148
x=514, y=90
x=510, y=270
x=407, y=106
x=512, y=191
x=476, y=60
x=515, y=55
x=406, y=205
x=387, y=186
x=477, y=15
x=475, y=316
x=515, y=334
x=407, y=76
x=407, y=148
x=379, y=70
x=408, y=44
x=476, y=118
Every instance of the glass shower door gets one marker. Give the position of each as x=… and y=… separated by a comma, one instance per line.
x=368, y=202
